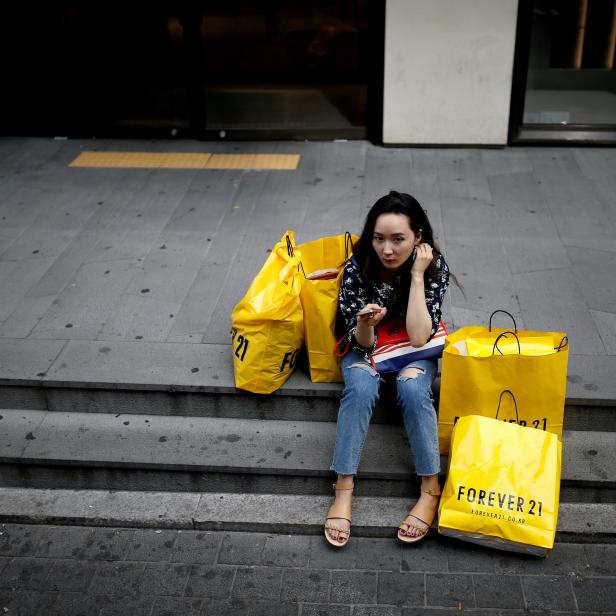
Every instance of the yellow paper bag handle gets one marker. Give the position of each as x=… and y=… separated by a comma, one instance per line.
x=289, y=246
x=515, y=404
x=515, y=326
x=495, y=347
x=563, y=344
x=348, y=239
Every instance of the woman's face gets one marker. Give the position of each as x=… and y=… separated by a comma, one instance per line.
x=393, y=240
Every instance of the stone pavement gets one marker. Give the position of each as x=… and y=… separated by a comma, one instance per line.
x=152, y=261
x=69, y=571
x=115, y=275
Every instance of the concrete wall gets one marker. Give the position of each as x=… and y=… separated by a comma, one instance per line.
x=448, y=68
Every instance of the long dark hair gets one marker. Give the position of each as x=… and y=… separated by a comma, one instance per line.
x=395, y=203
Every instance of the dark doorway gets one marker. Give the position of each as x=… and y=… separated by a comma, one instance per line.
x=233, y=69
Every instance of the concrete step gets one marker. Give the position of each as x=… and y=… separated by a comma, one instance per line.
x=272, y=513
x=184, y=379
x=290, y=406
x=205, y=454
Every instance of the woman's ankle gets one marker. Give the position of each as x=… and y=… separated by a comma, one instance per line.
x=344, y=481
x=430, y=484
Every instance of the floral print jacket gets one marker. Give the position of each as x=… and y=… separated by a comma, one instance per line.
x=355, y=293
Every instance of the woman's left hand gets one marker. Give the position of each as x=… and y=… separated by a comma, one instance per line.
x=423, y=258
x=374, y=315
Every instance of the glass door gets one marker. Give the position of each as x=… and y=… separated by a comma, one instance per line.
x=284, y=68
x=569, y=91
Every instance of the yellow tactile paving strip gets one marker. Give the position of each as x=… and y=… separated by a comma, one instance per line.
x=185, y=160
x=253, y=161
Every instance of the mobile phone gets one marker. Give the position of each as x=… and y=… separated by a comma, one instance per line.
x=365, y=310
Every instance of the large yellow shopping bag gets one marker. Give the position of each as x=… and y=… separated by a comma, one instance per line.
x=479, y=362
x=267, y=328
x=322, y=264
x=503, y=485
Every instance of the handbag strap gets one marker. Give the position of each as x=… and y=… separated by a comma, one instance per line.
x=508, y=391
x=341, y=352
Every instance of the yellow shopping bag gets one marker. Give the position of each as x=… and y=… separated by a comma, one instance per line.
x=267, y=329
x=322, y=263
x=503, y=485
x=533, y=365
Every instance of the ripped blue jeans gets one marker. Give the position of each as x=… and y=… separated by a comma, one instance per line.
x=361, y=393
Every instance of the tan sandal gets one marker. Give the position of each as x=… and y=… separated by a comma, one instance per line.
x=425, y=522
x=338, y=512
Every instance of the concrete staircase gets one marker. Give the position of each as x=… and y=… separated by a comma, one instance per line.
x=89, y=443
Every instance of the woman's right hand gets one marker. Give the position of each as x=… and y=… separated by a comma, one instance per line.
x=371, y=314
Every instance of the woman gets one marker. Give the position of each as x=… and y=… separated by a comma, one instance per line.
x=397, y=272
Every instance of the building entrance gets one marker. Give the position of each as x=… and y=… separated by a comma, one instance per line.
x=232, y=69
x=566, y=85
